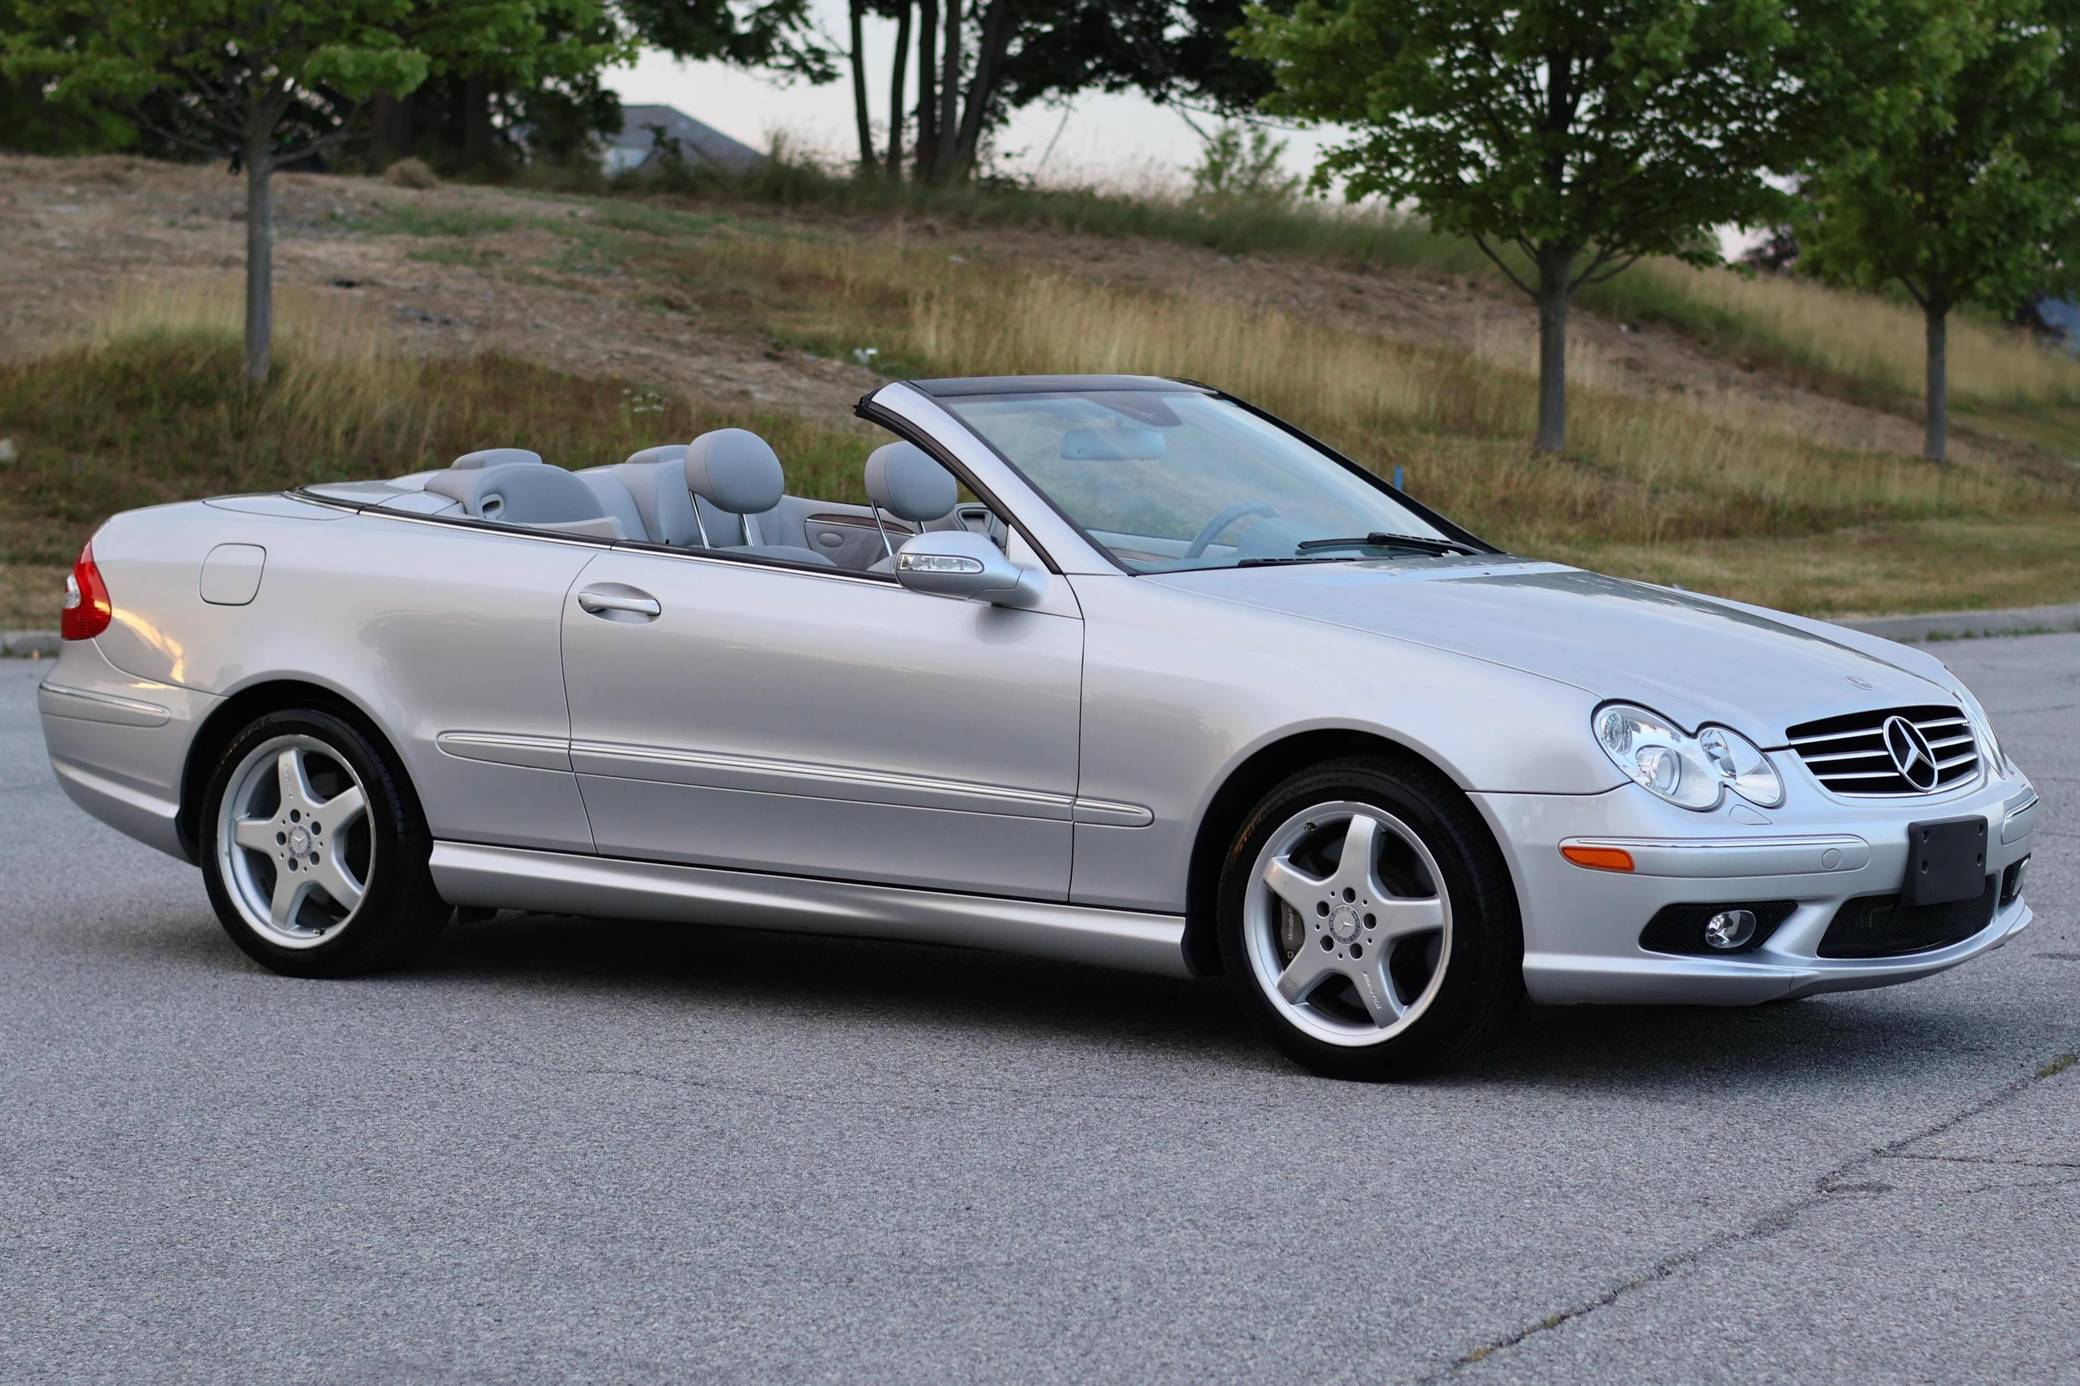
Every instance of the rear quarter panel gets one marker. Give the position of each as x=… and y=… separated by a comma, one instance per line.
x=425, y=628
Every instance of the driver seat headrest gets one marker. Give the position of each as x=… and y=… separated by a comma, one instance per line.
x=735, y=470
x=907, y=482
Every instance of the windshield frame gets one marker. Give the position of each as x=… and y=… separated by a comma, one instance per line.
x=1451, y=530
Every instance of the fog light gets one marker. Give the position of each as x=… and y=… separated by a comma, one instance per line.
x=1729, y=929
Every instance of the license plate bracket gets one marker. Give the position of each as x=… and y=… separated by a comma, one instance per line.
x=1946, y=862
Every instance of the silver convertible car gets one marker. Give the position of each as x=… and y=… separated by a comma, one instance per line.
x=1112, y=669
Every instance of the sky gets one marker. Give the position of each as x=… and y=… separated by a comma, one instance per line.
x=1122, y=140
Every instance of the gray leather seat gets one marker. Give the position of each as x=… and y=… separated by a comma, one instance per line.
x=736, y=472
x=529, y=494
x=904, y=480
x=648, y=494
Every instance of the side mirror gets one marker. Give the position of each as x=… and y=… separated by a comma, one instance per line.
x=967, y=566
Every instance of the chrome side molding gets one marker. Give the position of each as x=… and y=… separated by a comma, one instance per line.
x=568, y=883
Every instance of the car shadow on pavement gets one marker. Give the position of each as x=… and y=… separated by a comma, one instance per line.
x=1821, y=1041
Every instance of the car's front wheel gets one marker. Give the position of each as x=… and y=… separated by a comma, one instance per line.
x=314, y=849
x=1367, y=920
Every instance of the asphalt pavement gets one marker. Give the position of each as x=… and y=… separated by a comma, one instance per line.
x=593, y=1151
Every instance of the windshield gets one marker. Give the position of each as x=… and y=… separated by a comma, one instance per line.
x=1168, y=480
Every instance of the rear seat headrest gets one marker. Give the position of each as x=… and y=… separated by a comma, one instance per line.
x=492, y=457
x=734, y=470
x=665, y=452
x=904, y=479
x=520, y=493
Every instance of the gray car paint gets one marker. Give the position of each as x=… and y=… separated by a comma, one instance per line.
x=776, y=723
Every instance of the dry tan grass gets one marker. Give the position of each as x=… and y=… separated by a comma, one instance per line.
x=1865, y=338
x=1644, y=471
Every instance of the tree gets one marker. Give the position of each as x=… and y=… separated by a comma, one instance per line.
x=239, y=70
x=1243, y=163
x=1953, y=167
x=1583, y=134
x=978, y=62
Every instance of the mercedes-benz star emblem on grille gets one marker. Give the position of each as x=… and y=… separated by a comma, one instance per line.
x=1910, y=754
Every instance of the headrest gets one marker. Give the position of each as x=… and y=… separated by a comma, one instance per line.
x=1112, y=445
x=904, y=480
x=492, y=457
x=663, y=452
x=520, y=493
x=734, y=470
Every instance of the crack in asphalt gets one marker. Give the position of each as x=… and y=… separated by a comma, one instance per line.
x=1777, y=1220
x=1985, y=1160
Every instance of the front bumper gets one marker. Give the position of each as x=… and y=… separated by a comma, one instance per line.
x=1582, y=927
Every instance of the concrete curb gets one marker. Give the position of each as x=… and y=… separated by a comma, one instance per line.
x=1971, y=625
x=1935, y=625
x=28, y=644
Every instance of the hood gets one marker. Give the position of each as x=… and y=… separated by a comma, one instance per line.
x=1692, y=658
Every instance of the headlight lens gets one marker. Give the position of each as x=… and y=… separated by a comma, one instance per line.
x=1983, y=725
x=1691, y=771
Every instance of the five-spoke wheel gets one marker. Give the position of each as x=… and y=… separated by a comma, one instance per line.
x=1346, y=922
x=1367, y=920
x=314, y=847
x=294, y=838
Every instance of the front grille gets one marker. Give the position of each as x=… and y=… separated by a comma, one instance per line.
x=1879, y=926
x=1848, y=754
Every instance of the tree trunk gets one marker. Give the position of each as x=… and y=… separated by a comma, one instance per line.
x=895, y=94
x=1935, y=441
x=387, y=142
x=259, y=161
x=945, y=145
x=927, y=89
x=859, y=89
x=476, y=122
x=1554, y=266
x=996, y=37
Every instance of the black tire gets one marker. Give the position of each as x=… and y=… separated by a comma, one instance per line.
x=1483, y=966
x=400, y=912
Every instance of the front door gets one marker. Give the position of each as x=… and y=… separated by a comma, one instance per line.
x=737, y=714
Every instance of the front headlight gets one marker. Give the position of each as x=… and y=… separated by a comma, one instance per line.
x=1693, y=772
x=1983, y=725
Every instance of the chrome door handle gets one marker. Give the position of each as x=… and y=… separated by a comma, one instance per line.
x=598, y=602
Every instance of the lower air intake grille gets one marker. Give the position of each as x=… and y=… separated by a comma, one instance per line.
x=1856, y=755
x=1879, y=926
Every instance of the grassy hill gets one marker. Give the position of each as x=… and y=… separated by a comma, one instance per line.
x=1742, y=436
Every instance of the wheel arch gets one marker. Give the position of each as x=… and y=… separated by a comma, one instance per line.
x=1247, y=783
x=256, y=699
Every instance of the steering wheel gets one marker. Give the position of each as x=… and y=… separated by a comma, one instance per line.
x=1214, y=526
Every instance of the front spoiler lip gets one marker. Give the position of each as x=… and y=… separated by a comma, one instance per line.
x=1668, y=979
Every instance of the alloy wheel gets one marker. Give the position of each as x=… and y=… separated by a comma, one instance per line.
x=1347, y=923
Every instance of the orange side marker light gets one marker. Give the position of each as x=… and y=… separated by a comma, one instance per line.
x=1598, y=858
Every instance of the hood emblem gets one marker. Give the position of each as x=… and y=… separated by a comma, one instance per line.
x=1865, y=684
x=1910, y=753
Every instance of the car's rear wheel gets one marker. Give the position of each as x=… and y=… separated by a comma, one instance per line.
x=314, y=849
x=1368, y=922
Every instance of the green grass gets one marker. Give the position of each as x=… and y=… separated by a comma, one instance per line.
x=405, y=219
x=457, y=253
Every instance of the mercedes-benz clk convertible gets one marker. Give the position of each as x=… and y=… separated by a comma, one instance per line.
x=1116, y=670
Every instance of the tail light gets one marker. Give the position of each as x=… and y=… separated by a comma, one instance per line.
x=87, y=608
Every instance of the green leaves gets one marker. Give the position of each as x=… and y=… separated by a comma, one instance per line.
x=1629, y=126
x=1952, y=165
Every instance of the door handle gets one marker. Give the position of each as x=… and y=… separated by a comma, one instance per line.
x=599, y=601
